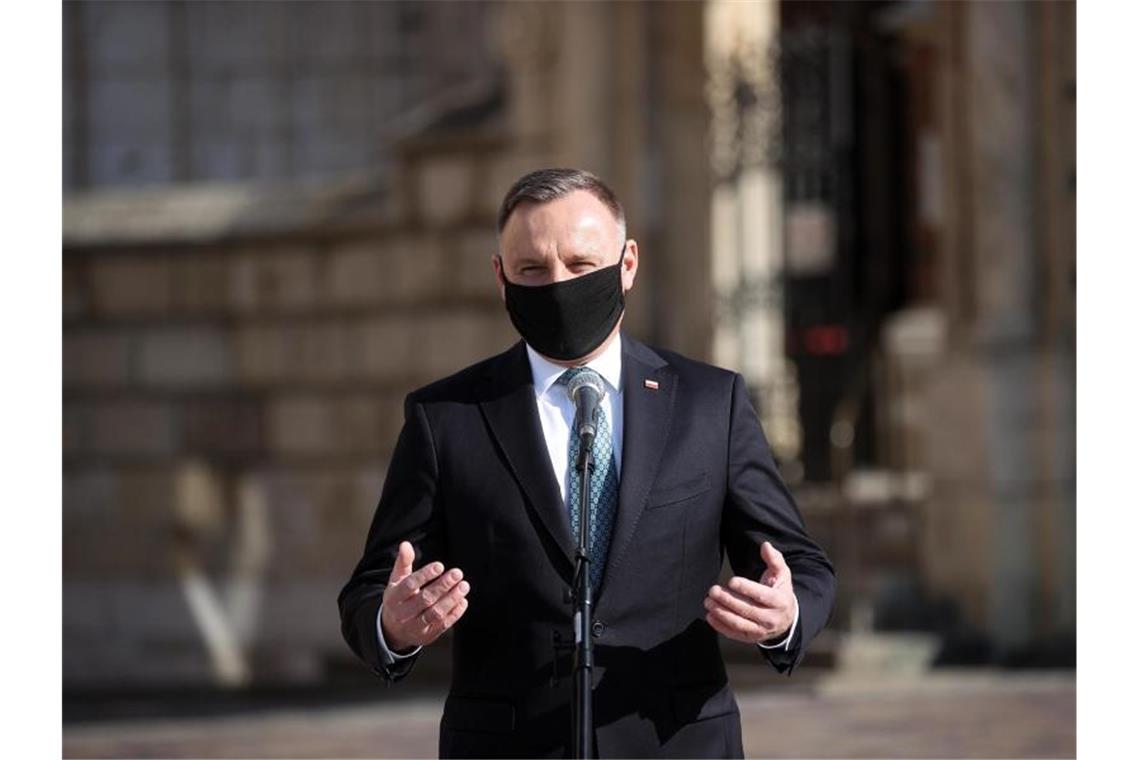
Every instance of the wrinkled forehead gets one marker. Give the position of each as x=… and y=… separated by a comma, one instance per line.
x=576, y=223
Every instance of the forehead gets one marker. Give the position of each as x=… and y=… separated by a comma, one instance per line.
x=577, y=220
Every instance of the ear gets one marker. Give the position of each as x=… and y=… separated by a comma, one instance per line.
x=497, y=266
x=629, y=265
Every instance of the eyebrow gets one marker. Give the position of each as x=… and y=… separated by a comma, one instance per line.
x=575, y=258
x=531, y=259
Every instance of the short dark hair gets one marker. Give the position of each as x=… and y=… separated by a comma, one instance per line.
x=545, y=185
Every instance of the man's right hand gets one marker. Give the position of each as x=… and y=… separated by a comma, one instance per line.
x=419, y=606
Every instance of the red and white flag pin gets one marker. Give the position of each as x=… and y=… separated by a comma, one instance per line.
x=652, y=385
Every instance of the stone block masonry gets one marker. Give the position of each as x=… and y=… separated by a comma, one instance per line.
x=193, y=373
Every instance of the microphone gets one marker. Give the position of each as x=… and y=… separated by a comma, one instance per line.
x=587, y=391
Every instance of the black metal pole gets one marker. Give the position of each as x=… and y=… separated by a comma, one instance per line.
x=583, y=612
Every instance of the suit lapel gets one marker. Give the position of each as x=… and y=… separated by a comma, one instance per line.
x=512, y=415
x=647, y=414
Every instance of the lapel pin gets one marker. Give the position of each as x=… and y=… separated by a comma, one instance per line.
x=651, y=385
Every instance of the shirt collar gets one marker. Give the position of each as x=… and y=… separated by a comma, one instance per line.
x=607, y=364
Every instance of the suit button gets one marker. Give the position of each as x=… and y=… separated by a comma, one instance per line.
x=598, y=628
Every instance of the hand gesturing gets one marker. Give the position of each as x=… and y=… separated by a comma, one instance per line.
x=419, y=606
x=755, y=612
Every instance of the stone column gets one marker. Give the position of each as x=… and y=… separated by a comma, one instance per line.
x=618, y=89
x=1001, y=523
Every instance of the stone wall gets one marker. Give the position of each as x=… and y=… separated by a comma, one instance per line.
x=199, y=372
x=236, y=354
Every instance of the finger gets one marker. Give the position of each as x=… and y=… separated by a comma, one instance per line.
x=734, y=626
x=456, y=613
x=721, y=627
x=742, y=628
x=411, y=585
x=437, y=613
x=768, y=620
x=773, y=558
x=758, y=593
x=429, y=595
x=776, y=579
x=453, y=616
x=736, y=602
x=405, y=555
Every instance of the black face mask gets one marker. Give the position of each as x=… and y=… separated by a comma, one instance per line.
x=569, y=319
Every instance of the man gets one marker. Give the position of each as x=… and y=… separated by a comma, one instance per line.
x=481, y=498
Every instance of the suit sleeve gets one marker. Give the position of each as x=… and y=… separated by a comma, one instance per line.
x=408, y=511
x=760, y=508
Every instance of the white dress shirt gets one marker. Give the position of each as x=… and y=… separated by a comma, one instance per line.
x=556, y=413
x=556, y=409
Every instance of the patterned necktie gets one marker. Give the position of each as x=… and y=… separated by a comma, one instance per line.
x=603, y=485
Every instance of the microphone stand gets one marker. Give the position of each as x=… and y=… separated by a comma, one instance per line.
x=582, y=597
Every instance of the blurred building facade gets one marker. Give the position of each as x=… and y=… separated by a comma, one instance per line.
x=279, y=218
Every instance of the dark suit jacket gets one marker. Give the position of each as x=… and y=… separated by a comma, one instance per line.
x=470, y=484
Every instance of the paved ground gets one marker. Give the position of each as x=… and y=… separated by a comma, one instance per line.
x=949, y=714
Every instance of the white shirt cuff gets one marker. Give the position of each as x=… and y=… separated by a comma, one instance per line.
x=787, y=642
x=395, y=655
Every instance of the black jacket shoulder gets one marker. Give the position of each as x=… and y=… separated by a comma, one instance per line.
x=694, y=369
x=470, y=384
x=505, y=371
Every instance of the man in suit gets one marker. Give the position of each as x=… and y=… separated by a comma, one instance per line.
x=476, y=526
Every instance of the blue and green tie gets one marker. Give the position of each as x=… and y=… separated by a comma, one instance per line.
x=603, y=485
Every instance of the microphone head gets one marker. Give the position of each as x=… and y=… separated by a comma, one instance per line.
x=588, y=379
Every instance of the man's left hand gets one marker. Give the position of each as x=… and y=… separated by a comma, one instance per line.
x=753, y=612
